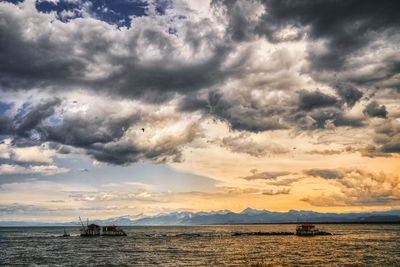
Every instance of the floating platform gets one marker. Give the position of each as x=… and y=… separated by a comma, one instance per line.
x=262, y=233
x=308, y=229
x=301, y=230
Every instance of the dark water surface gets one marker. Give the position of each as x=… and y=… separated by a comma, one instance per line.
x=354, y=245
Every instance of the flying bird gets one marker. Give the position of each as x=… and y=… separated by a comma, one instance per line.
x=143, y=129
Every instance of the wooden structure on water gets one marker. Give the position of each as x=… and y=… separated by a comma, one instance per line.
x=308, y=229
x=96, y=230
x=90, y=230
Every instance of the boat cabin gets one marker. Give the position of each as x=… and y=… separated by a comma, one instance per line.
x=306, y=229
x=90, y=230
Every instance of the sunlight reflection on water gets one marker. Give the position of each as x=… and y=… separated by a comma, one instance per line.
x=203, y=245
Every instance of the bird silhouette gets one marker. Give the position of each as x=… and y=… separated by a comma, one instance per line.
x=143, y=129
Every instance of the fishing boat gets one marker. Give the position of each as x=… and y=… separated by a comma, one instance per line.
x=89, y=229
x=66, y=234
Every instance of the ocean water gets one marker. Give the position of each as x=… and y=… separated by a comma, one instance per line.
x=352, y=245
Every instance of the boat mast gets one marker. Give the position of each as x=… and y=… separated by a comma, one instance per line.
x=84, y=228
x=81, y=221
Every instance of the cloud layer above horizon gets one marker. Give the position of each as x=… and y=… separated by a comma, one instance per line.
x=282, y=87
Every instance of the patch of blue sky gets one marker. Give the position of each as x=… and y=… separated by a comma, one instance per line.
x=74, y=163
x=34, y=135
x=13, y=1
x=4, y=107
x=118, y=12
x=115, y=12
x=57, y=118
x=4, y=137
x=7, y=161
x=66, y=10
x=54, y=121
x=172, y=31
x=159, y=177
x=82, y=171
x=162, y=6
x=22, y=110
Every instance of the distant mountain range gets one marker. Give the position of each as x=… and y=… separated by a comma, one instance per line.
x=247, y=216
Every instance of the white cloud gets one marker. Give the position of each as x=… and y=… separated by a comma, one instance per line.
x=361, y=188
x=7, y=169
x=5, y=149
x=33, y=154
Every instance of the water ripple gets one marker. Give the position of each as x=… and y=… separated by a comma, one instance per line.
x=357, y=245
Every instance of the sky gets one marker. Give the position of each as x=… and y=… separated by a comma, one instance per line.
x=130, y=107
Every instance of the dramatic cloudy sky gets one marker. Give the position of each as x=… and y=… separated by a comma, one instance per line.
x=131, y=107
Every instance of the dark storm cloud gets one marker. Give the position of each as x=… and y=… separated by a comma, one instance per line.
x=241, y=114
x=159, y=80
x=240, y=27
x=349, y=94
x=27, y=120
x=311, y=100
x=346, y=25
x=50, y=58
x=392, y=147
x=373, y=151
x=324, y=173
x=60, y=58
x=324, y=118
x=83, y=132
x=100, y=137
x=386, y=140
x=343, y=29
x=118, y=154
x=97, y=136
x=5, y=125
x=30, y=62
x=121, y=153
x=390, y=139
x=303, y=110
x=193, y=63
x=374, y=110
x=35, y=115
x=336, y=116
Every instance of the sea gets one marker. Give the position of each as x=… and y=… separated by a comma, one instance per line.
x=216, y=245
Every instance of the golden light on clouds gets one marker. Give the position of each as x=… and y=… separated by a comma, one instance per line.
x=196, y=105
